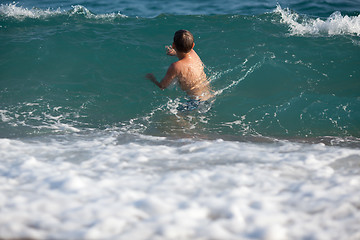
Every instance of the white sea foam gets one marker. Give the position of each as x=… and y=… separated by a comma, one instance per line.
x=81, y=10
x=47, y=121
x=19, y=12
x=4, y=116
x=336, y=24
x=13, y=10
x=107, y=186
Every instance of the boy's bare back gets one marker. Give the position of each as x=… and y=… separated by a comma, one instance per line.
x=188, y=70
x=191, y=76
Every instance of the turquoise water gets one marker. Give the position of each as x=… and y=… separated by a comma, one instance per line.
x=274, y=75
x=89, y=148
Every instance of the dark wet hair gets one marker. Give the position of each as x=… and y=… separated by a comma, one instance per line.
x=183, y=40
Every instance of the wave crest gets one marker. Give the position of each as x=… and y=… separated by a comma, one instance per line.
x=21, y=13
x=81, y=10
x=13, y=10
x=335, y=24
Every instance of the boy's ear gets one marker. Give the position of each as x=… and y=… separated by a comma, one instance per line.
x=173, y=46
x=193, y=46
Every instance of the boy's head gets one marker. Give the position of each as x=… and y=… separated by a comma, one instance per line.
x=183, y=41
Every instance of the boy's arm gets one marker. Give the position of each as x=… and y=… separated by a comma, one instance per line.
x=165, y=82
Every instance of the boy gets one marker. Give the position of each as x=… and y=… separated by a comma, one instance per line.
x=189, y=69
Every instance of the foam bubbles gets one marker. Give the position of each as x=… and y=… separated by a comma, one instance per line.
x=13, y=10
x=81, y=10
x=21, y=13
x=335, y=24
x=98, y=186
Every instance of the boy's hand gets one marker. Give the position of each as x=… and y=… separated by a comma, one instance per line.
x=170, y=51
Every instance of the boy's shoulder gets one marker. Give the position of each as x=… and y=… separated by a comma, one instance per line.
x=177, y=66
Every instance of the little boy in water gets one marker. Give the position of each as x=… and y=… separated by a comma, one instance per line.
x=189, y=69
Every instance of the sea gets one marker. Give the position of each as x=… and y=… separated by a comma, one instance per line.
x=91, y=149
